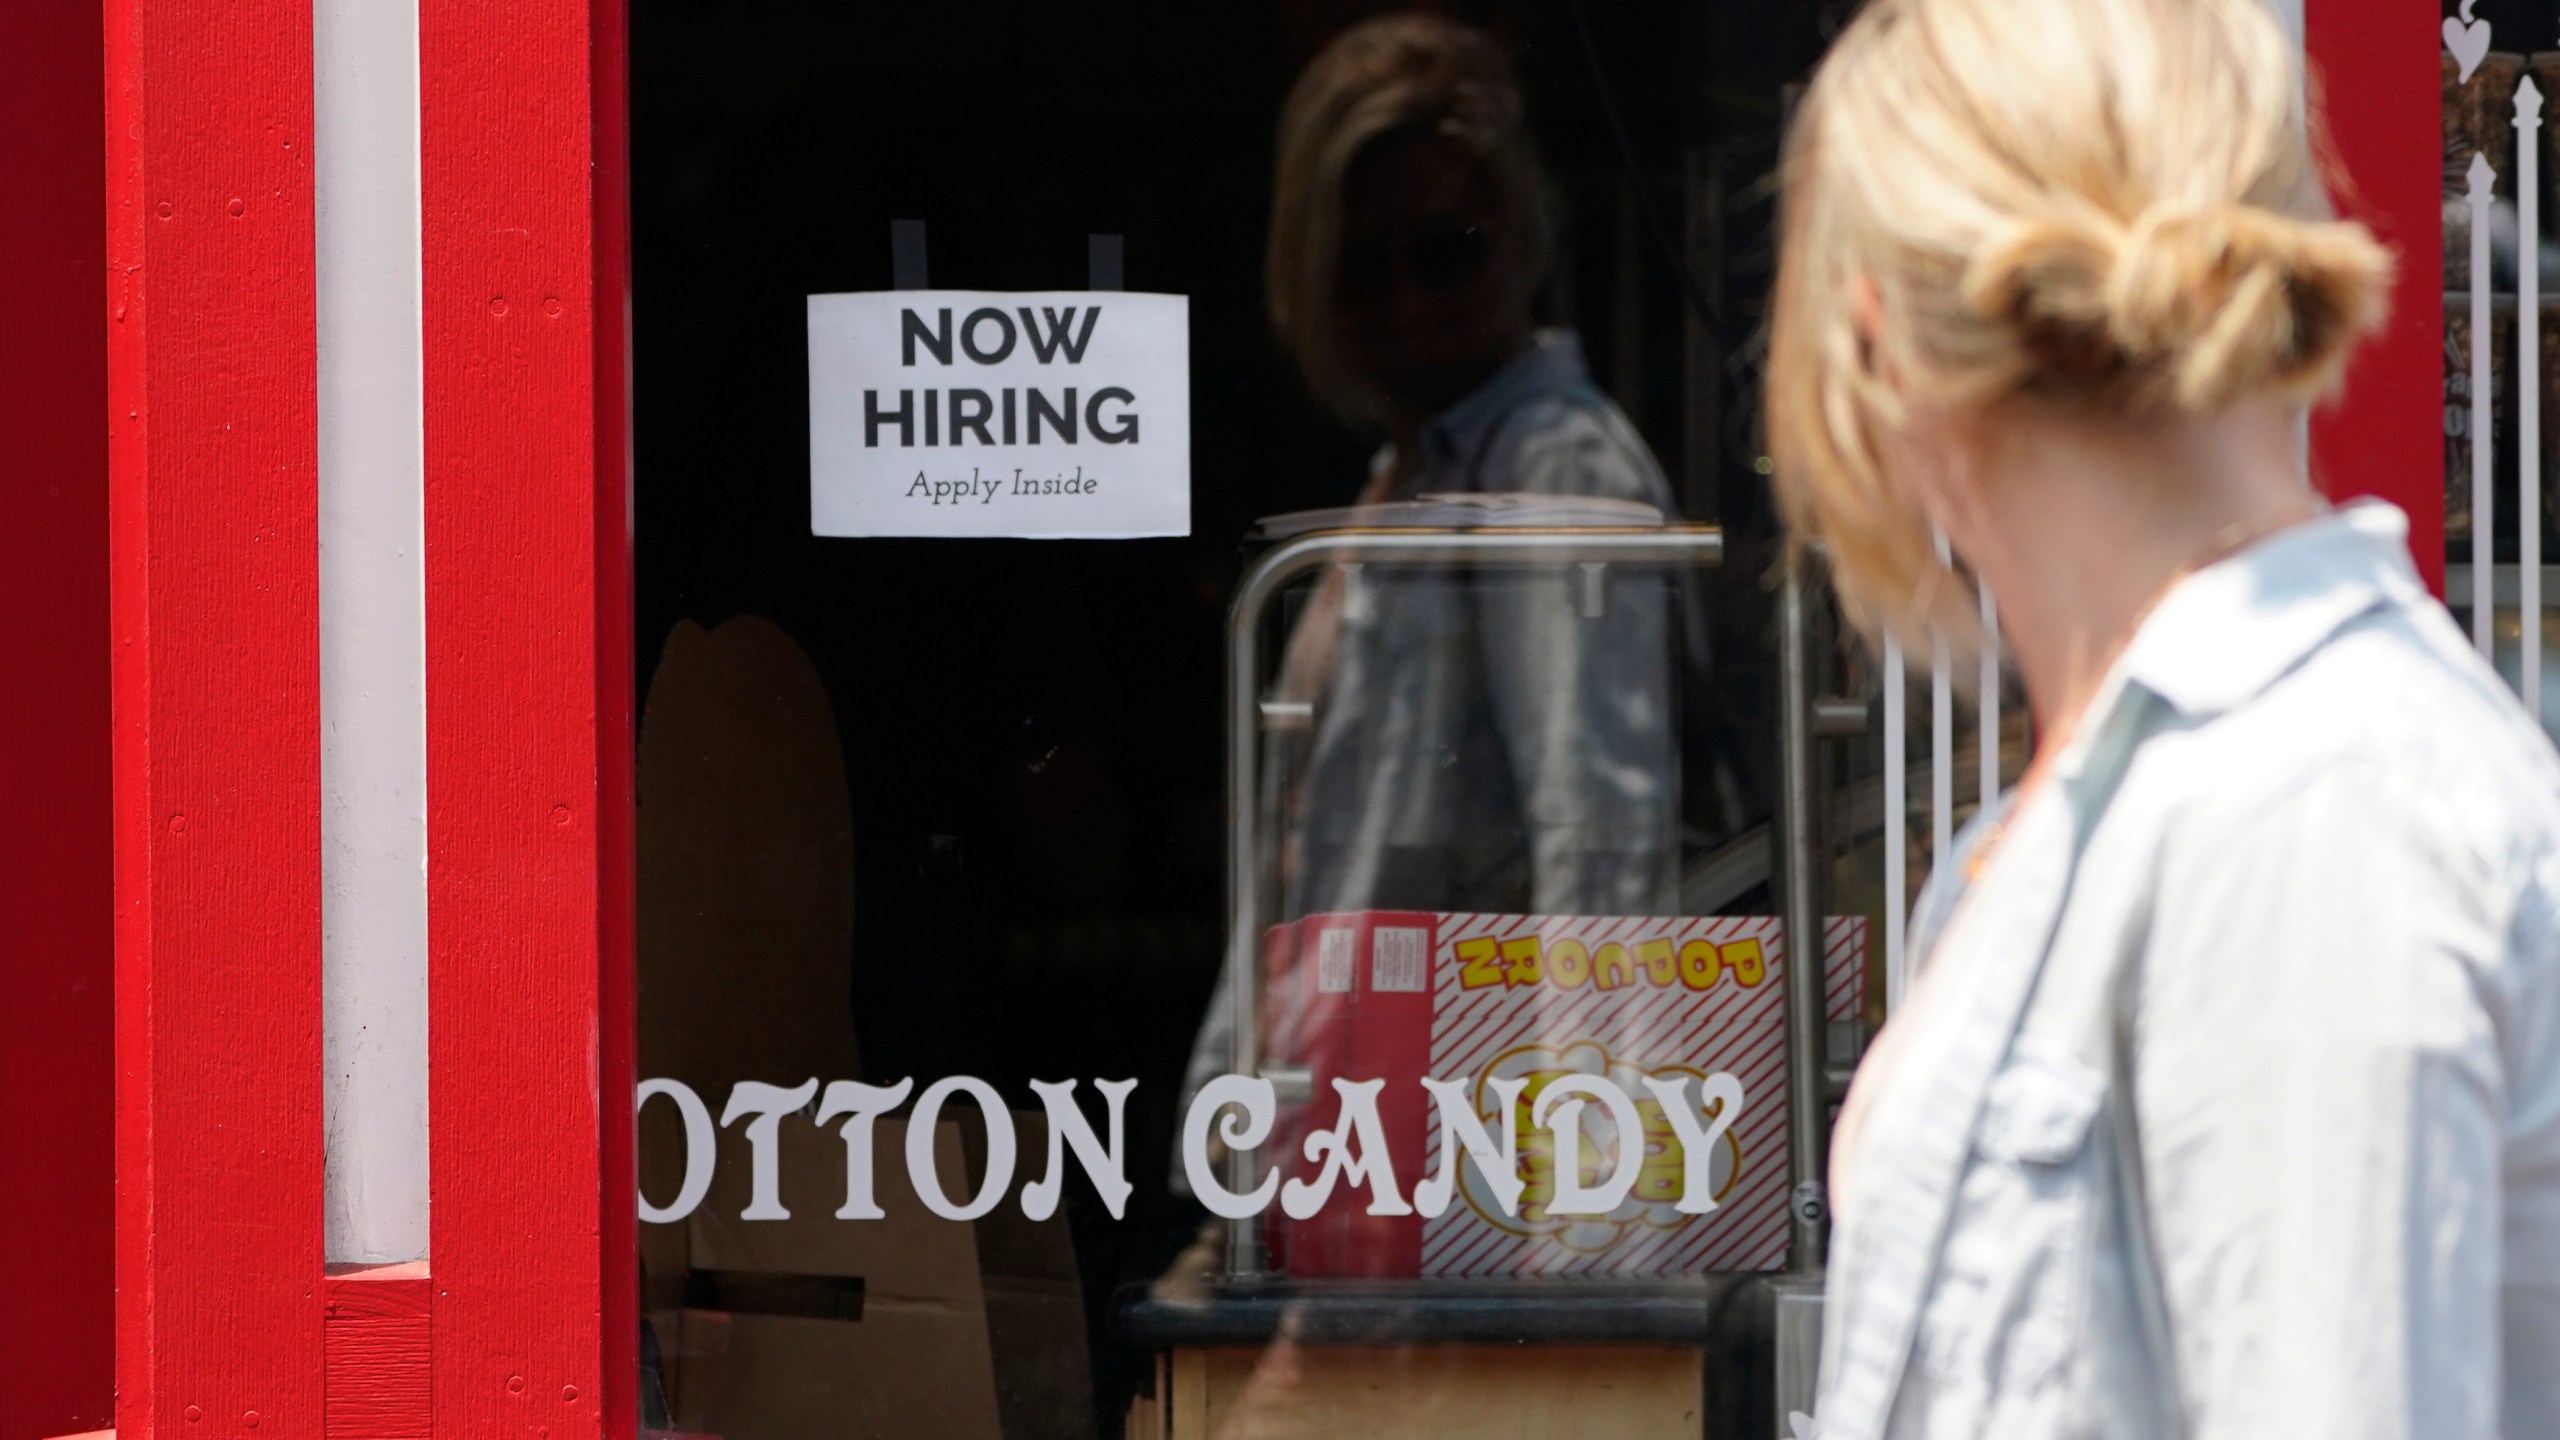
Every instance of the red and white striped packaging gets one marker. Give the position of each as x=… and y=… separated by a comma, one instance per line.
x=1398, y=996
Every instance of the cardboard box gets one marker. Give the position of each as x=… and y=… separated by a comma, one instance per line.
x=810, y=1328
x=905, y=1369
x=781, y=1360
x=1044, y=1375
x=745, y=895
x=965, y=1330
x=908, y=1254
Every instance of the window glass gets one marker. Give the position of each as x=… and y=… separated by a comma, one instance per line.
x=1276, y=742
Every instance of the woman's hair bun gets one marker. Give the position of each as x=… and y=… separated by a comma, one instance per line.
x=2109, y=209
x=2194, y=308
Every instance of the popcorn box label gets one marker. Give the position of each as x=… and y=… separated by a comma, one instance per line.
x=1535, y=998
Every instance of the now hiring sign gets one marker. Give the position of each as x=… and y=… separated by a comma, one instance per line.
x=1058, y=415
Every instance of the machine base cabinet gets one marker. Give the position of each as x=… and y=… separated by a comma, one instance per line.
x=1482, y=1392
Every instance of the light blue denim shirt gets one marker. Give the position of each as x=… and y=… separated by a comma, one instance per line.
x=1481, y=743
x=1485, y=743
x=2278, y=953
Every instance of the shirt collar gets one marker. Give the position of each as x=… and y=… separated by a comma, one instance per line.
x=1552, y=362
x=2231, y=629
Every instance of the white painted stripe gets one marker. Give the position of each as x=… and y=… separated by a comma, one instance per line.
x=373, y=748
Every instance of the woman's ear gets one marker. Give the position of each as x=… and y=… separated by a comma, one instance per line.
x=1866, y=311
x=1947, y=471
x=1937, y=457
x=1932, y=466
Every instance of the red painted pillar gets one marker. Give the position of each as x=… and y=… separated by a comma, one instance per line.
x=529, y=716
x=2375, y=63
x=213, y=582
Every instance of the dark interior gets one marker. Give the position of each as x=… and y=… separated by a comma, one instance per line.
x=1032, y=728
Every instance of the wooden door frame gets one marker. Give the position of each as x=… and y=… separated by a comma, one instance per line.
x=523, y=1320
x=531, y=970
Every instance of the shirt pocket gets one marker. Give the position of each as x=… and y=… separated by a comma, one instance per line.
x=2011, y=1293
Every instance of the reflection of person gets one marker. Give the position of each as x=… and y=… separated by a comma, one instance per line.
x=1477, y=744
x=2227, y=1101
x=1479, y=741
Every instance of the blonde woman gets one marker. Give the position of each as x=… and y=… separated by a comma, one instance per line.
x=2226, y=1098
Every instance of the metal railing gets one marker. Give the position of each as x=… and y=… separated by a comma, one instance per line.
x=1249, y=901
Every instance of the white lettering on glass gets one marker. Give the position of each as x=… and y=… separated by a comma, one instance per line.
x=701, y=1150
x=768, y=1103
x=1559, y=1106
x=1069, y=1130
x=1464, y=1136
x=860, y=1104
x=1353, y=1152
x=1257, y=1108
x=1243, y=1112
x=1000, y=1147
x=1720, y=1096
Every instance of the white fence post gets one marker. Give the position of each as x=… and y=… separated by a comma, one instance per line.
x=1989, y=702
x=1897, y=822
x=2529, y=392
x=2484, y=492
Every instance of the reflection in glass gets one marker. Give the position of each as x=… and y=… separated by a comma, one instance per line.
x=1452, y=738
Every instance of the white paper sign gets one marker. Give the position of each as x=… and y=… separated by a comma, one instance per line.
x=973, y=413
